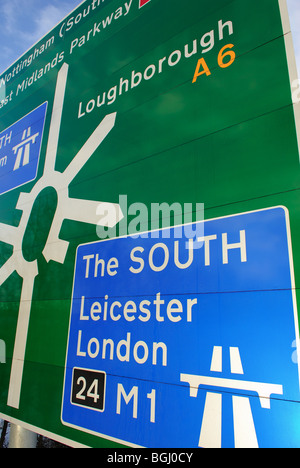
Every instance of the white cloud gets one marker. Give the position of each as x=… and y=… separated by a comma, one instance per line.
x=50, y=16
x=25, y=22
x=8, y=14
x=47, y=19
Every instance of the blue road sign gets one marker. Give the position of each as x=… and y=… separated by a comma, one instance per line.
x=20, y=147
x=175, y=342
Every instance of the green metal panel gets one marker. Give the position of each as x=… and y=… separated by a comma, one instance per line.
x=228, y=140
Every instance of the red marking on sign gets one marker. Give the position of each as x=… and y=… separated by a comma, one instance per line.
x=143, y=2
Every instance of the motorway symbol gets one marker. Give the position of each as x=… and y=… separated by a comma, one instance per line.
x=20, y=148
x=244, y=428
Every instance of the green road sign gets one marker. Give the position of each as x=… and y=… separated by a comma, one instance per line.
x=128, y=117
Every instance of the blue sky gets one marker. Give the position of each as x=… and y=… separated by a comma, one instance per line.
x=24, y=22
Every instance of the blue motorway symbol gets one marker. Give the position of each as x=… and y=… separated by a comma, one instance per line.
x=20, y=147
x=182, y=342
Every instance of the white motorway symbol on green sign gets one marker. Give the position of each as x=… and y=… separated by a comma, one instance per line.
x=67, y=208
